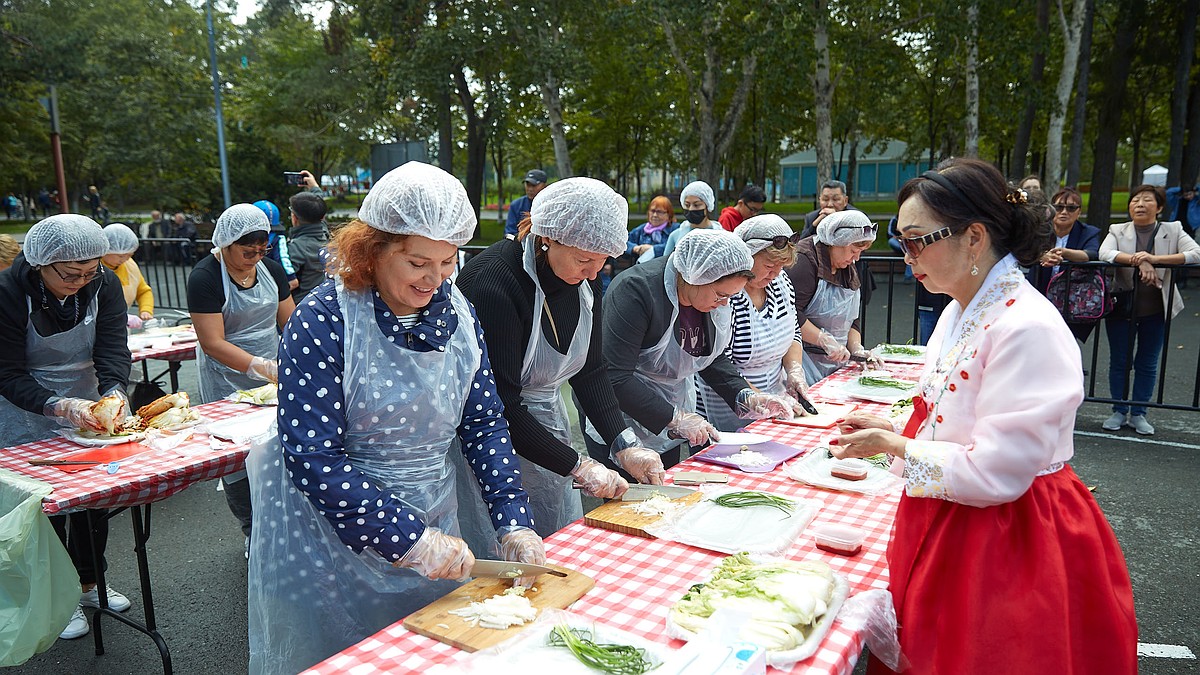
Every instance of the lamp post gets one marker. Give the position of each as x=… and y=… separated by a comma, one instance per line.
x=60, y=176
x=216, y=83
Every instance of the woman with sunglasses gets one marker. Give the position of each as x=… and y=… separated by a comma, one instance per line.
x=1075, y=240
x=63, y=345
x=238, y=300
x=766, y=347
x=828, y=291
x=996, y=541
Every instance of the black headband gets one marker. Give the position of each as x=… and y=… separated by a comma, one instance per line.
x=952, y=189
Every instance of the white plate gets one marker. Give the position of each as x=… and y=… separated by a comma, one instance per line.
x=94, y=440
x=901, y=358
x=732, y=438
x=876, y=394
x=754, y=529
x=813, y=469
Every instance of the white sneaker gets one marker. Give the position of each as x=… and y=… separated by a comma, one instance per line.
x=1140, y=425
x=1115, y=422
x=77, y=627
x=116, y=601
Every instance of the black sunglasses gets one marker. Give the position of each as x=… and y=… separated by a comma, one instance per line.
x=912, y=246
x=779, y=241
x=1069, y=208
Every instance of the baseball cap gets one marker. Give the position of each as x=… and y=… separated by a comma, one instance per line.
x=535, y=176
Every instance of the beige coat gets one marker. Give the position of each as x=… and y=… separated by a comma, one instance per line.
x=1170, y=239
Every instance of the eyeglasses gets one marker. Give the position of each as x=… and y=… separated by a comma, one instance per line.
x=252, y=253
x=780, y=241
x=73, y=278
x=1069, y=208
x=754, y=210
x=722, y=298
x=912, y=246
x=658, y=211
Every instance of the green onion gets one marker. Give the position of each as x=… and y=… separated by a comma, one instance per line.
x=610, y=658
x=882, y=460
x=886, y=382
x=737, y=500
x=901, y=349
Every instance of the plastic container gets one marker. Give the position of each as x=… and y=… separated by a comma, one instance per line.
x=849, y=469
x=839, y=539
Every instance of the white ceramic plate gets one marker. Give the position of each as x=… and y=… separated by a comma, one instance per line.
x=880, y=350
x=732, y=438
x=877, y=394
x=92, y=439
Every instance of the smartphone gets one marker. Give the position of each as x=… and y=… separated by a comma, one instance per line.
x=293, y=178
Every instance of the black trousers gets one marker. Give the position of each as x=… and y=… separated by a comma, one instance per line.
x=72, y=530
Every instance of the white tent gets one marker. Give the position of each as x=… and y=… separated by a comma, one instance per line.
x=1155, y=175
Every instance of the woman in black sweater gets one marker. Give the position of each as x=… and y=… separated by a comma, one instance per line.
x=540, y=314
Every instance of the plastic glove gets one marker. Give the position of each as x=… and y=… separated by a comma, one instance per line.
x=598, y=480
x=74, y=412
x=835, y=350
x=872, y=359
x=795, y=383
x=693, y=427
x=120, y=393
x=521, y=544
x=264, y=370
x=133, y=322
x=644, y=465
x=437, y=555
x=755, y=405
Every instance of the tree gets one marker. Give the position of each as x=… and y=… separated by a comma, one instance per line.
x=1033, y=92
x=972, y=77
x=1081, y=94
x=1072, y=32
x=1186, y=55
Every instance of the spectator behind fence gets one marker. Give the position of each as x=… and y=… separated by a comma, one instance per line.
x=648, y=240
x=1183, y=206
x=310, y=234
x=749, y=204
x=9, y=248
x=1140, y=315
x=1075, y=240
x=184, y=251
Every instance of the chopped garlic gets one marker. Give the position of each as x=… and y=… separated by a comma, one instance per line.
x=749, y=458
x=499, y=611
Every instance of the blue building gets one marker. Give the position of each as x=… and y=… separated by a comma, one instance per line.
x=880, y=171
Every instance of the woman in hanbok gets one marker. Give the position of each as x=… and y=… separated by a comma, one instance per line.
x=1000, y=560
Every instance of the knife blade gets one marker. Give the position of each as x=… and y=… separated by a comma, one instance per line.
x=640, y=492
x=506, y=569
x=806, y=404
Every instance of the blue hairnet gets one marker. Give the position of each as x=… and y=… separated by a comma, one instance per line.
x=270, y=209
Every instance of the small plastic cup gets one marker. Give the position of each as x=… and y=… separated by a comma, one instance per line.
x=849, y=469
x=839, y=539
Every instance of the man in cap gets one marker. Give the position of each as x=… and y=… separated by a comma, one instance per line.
x=535, y=182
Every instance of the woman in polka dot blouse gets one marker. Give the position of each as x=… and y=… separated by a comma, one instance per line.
x=383, y=374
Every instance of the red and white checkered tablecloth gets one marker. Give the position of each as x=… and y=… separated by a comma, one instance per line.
x=176, y=352
x=142, y=479
x=638, y=580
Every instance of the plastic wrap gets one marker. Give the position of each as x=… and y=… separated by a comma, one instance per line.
x=753, y=529
x=872, y=614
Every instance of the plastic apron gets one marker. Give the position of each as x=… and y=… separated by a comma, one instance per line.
x=834, y=309
x=667, y=370
x=61, y=363
x=543, y=371
x=249, y=317
x=310, y=596
x=770, y=339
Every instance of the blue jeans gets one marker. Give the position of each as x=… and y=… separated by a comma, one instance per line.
x=1147, y=332
x=926, y=321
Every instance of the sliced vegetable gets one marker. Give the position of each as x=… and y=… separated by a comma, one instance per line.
x=499, y=611
x=609, y=658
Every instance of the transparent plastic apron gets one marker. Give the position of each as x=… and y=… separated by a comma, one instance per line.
x=770, y=339
x=61, y=363
x=249, y=317
x=832, y=308
x=666, y=369
x=310, y=595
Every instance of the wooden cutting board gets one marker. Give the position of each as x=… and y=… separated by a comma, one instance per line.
x=827, y=415
x=613, y=515
x=435, y=620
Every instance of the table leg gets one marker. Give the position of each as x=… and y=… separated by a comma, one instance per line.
x=173, y=368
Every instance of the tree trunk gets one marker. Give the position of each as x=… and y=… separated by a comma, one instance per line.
x=1185, y=55
x=476, y=143
x=553, y=101
x=823, y=89
x=1036, y=70
x=1112, y=104
x=972, y=85
x=852, y=171
x=1191, y=154
x=1072, y=32
x=1081, y=94
x=445, y=127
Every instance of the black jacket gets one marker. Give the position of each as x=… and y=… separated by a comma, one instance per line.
x=304, y=248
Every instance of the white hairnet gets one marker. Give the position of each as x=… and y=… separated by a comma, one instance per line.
x=584, y=213
x=420, y=199
x=699, y=188
x=703, y=256
x=121, y=239
x=238, y=221
x=758, y=232
x=842, y=228
x=64, y=237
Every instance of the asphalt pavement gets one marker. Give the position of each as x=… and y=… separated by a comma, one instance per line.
x=1145, y=485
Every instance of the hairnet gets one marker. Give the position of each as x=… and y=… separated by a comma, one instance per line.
x=64, y=237
x=420, y=199
x=759, y=231
x=584, y=213
x=703, y=256
x=699, y=188
x=270, y=209
x=842, y=228
x=121, y=239
x=238, y=221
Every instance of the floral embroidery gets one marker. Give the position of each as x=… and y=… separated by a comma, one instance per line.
x=939, y=419
x=952, y=387
x=1010, y=302
x=924, y=474
x=963, y=375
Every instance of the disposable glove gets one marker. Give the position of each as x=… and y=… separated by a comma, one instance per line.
x=521, y=544
x=872, y=359
x=73, y=412
x=693, y=427
x=263, y=370
x=437, y=555
x=133, y=322
x=644, y=465
x=795, y=383
x=755, y=405
x=835, y=350
x=120, y=393
x=597, y=480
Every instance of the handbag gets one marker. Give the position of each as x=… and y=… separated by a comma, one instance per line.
x=1080, y=294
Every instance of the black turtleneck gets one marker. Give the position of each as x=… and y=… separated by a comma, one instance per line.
x=496, y=283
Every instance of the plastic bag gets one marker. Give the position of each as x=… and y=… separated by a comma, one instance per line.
x=39, y=587
x=873, y=614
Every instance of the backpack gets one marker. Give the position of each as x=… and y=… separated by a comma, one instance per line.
x=1080, y=294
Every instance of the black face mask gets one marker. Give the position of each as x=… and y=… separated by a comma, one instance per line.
x=695, y=217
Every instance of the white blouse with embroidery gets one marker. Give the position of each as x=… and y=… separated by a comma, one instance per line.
x=1002, y=395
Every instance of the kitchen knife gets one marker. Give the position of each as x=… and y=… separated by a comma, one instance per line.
x=506, y=569
x=806, y=404
x=639, y=492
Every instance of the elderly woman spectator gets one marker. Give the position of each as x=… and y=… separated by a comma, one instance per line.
x=766, y=348
x=698, y=202
x=827, y=292
x=122, y=244
x=1138, y=328
x=1074, y=240
x=649, y=240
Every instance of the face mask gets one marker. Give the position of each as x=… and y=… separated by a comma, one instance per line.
x=695, y=217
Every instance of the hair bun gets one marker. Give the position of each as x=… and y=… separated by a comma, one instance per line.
x=1017, y=195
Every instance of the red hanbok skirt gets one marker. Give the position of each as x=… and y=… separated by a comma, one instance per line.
x=1037, y=585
